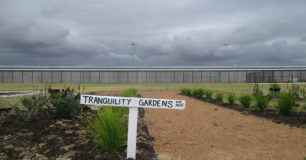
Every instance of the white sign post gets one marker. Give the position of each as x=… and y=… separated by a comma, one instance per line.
x=133, y=104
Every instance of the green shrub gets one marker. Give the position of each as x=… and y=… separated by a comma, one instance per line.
x=66, y=105
x=231, y=98
x=261, y=102
x=285, y=103
x=245, y=100
x=108, y=128
x=186, y=91
x=208, y=94
x=2, y=119
x=219, y=97
x=199, y=92
x=31, y=105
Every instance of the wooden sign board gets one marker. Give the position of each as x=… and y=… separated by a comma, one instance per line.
x=133, y=102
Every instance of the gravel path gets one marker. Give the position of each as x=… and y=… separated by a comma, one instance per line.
x=205, y=131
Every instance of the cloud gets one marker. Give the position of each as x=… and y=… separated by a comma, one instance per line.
x=167, y=33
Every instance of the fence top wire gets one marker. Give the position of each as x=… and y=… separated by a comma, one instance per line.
x=155, y=68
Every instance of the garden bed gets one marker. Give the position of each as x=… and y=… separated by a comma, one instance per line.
x=297, y=119
x=47, y=137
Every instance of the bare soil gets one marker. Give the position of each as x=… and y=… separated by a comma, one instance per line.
x=207, y=131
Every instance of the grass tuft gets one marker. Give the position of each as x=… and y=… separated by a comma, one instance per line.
x=261, y=102
x=285, y=103
x=186, y=91
x=108, y=127
x=208, y=94
x=245, y=100
x=219, y=97
x=198, y=92
x=215, y=124
x=231, y=98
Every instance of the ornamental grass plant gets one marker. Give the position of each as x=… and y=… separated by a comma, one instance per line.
x=261, y=101
x=198, y=92
x=285, y=103
x=231, y=98
x=245, y=100
x=108, y=128
x=219, y=97
x=208, y=94
x=186, y=91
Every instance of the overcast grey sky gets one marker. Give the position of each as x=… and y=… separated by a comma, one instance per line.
x=167, y=32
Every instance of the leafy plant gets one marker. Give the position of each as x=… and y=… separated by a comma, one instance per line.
x=219, y=97
x=2, y=118
x=66, y=106
x=186, y=91
x=208, y=94
x=108, y=128
x=198, y=92
x=245, y=100
x=66, y=103
x=32, y=105
x=285, y=103
x=261, y=102
x=231, y=98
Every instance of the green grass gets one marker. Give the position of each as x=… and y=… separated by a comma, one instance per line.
x=215, y=124
x=6, y=102
x=238, y=88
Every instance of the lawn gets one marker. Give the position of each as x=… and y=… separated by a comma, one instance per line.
x=238, y=88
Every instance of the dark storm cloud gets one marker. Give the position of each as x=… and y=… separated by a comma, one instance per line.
x=185, y=32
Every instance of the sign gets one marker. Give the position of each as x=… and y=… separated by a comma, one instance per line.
x=133, y=104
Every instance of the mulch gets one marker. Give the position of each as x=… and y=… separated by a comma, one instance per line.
x=45, y=137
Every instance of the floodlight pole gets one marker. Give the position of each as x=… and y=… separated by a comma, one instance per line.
x=133, y=44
